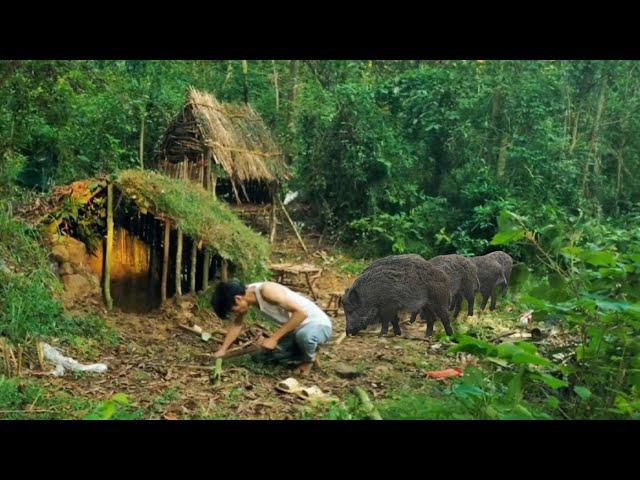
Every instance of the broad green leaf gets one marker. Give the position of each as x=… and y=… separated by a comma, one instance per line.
x=551, y=381
x=582, y=392
x=553, y=402
x=599, y=258
x=504, y=238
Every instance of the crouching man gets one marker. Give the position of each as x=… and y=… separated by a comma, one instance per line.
x=304, y=326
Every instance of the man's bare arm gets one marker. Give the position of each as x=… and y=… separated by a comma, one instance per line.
x=232, y=333
x=275, y=294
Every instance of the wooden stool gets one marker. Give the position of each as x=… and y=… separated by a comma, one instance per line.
x=335, y=302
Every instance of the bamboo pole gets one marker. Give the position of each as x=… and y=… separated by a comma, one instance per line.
x=106, y=268
x=295, y=230
x=217, y=372
x=165, y=261
x=205, y=269
x=194, y=258
x=179, y=264
x=366, y=403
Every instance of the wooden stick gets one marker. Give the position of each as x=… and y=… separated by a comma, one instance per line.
x=205, y=269
x=165, y=262
x=40, y=350
x=179, y=264
x=107, y=256
x=292, y=225
x=243, y=351
x=502, y=336
x=194, y=258
x=366, y=403
x=341, y=338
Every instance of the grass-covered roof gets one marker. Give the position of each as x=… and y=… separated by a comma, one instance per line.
x=198, y=214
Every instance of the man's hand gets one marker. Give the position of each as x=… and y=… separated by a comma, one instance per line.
x=269, y=343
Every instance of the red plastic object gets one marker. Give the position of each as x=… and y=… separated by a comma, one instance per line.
x=449, y=372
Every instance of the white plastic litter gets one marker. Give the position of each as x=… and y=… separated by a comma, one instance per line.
x=63, y=362
x=290, y=197
x=525, y=318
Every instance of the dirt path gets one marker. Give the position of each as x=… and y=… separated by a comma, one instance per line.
x=165, y=370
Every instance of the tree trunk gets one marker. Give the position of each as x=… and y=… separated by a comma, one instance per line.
x=593, y=142
x=165, y=261
x=275, y=85
x=194, y=258
x=179, y=264
x=502, y=155
x=245, y=73
x=142, y=141
x=106, y=269
x=574, y=134
x=291, y=108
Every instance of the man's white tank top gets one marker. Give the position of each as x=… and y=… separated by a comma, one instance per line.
x=280, y=315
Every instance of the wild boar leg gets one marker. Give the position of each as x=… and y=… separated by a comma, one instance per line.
x=396, y=326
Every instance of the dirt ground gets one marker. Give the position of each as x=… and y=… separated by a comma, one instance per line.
x=165, y=370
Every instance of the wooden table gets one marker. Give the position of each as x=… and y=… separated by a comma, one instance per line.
x=289, y=273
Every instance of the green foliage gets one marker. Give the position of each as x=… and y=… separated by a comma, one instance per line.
x=117, y=407
x=15, y=396
x=29, y=303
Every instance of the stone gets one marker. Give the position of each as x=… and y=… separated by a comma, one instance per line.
x=346, y=371
x=60, y=253
x=77, y=251
x=76, y=286
x=66, y=269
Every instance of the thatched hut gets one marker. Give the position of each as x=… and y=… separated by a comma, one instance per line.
x=161, y=237
x=226, y=148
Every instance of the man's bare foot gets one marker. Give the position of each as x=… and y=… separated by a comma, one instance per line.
x=304, y=368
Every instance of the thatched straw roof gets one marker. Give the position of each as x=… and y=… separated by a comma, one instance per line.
x=233, y=134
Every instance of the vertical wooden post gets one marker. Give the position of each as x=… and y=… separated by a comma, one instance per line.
x=194, y=258
x=224, y=272
x=165, y=261
x=205, y=269
x=272, y=216
x=179, y=264
x=106, y=266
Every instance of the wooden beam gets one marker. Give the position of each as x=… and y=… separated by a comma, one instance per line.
x=179, y=264
x=295, y=230
x=165, y=261
x=106, y=267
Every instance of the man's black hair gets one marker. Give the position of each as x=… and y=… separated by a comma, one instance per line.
x=224, y=297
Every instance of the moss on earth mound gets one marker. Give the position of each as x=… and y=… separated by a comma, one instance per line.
x=200, y=216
